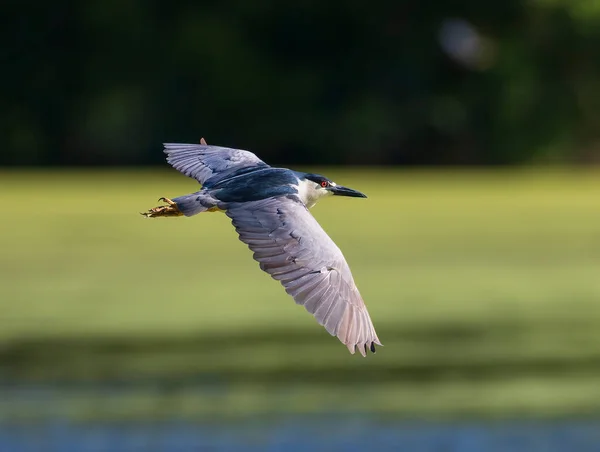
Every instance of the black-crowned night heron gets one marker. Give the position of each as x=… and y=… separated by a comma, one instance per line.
x=269, y=209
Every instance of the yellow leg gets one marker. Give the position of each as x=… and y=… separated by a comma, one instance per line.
x=170, y=210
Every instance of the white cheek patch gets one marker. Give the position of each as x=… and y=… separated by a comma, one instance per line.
x=310, y=192
x=333, y=184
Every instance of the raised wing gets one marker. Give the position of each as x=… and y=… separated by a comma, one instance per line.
x=294, y=249
x=210, y=164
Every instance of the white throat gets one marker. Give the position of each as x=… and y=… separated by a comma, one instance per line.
x=310, y=192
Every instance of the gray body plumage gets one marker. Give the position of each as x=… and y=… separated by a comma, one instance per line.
x=269, y=210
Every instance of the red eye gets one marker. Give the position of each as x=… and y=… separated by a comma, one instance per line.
x=324, y=184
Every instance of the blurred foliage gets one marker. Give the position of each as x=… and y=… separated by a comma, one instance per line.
x=483, y=286
x=409, y=82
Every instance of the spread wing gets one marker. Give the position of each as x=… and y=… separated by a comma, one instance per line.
x=294, y=249
x=210, y=163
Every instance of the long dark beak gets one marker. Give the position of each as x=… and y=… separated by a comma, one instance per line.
x=345, y=191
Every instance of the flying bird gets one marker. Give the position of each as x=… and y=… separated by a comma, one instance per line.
x=268, y=207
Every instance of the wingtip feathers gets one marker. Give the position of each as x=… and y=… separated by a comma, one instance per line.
x=364, y=348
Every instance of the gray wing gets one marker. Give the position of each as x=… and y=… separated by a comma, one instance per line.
x=203, y=162
x=294, y=249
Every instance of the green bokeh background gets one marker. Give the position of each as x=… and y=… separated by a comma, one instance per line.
x=483, y=286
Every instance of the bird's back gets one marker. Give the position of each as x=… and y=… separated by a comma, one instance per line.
x=255, y=185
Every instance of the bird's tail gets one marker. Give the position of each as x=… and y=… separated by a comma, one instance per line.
x=187, y=205
x=196, y=203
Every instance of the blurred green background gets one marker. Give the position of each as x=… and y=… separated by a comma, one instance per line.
x=472, y=127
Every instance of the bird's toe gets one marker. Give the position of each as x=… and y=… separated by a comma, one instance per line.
x=170, y=210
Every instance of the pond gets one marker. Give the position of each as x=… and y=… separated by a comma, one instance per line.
x=346, y=433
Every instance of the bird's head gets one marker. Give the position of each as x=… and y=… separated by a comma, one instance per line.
x=312, y=187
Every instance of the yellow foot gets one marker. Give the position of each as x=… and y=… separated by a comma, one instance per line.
x=170, y=210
